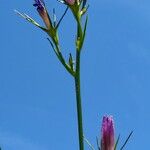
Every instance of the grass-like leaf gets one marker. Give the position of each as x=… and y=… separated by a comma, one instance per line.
x=98, y=144
x=84, y=32
x=84, y=3
x=28, y=18
x=126, y=141
x=62, y=17
x=90, y=145
x=116, y=144
x=54, y=18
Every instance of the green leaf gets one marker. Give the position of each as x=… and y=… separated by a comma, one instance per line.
x=84, y=32
x=116, y=144
x=84, y=10
x=98, y=144
x=84, y=3
x=71, y=63
x=28, y=18
x=62, y=17
x=54, y=17
x=52, y=45
x=85, y=27
x=90, y=145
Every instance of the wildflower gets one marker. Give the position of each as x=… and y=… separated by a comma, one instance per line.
x=70, y=2
x=107, y=135
x=43, y=12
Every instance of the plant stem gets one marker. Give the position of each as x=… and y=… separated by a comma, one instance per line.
x=78, y=101
x=61, y=58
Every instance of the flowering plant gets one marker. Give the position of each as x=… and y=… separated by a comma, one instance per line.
x=107, y=141
x=78, y=9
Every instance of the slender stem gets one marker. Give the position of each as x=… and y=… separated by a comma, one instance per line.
x=58, y=53
x=75, y=74
x=78, y=101
x=60, y=57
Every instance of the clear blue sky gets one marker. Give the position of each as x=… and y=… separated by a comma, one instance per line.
x=37, y=100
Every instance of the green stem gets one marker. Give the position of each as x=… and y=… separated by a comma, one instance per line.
x=61, y=58
x=78, y=101
x=58, y=53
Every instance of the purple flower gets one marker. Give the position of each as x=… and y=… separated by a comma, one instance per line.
x=43, y=12
x=107, y=133
x=40, y=5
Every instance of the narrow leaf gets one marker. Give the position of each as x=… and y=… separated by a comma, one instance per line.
x=90, y=145
x=71, y=63
x=52, y=45
x=84, y=10
x=84, y=3
x=84, y=32
x=85, y=27
x=54, y=17
x=126, y=140
x=62, y=17
x=28, y=18
x=116, y=144
x=98, y=145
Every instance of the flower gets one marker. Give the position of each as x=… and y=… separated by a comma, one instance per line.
x=70, y=2
x=107, y=133
x=43, y=12
x=40, y=5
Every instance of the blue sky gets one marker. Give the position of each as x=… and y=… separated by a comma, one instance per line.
x=37, y=99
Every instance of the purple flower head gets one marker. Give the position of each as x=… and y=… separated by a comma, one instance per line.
x=107, y=133
x=43, y=12
x=70, y=2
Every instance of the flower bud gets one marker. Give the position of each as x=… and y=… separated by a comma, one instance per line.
x=107, y=133
x=70, y=2
x=43, y=12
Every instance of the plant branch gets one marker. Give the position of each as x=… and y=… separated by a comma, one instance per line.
x=77, y=83
x=61, y=58
x=78, y=101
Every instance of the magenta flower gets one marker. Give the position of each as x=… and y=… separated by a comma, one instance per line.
x=107, y=135
x=70, y=2
x=43, y=12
